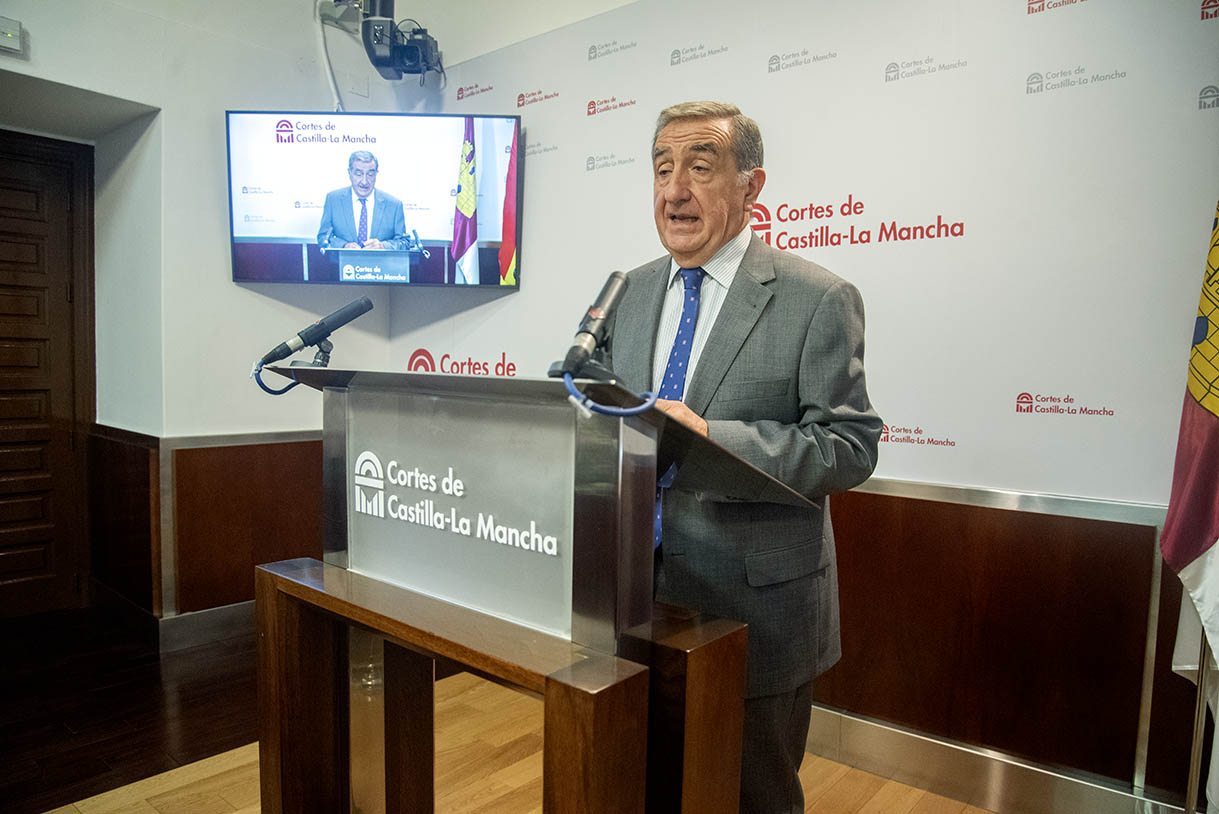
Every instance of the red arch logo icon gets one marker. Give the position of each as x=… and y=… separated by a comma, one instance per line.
x=421, y=362
x=759, y=220
x=1024, y=403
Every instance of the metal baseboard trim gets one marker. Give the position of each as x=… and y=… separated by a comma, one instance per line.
x=984, y=778
x=1113, y=511
x=206, y=626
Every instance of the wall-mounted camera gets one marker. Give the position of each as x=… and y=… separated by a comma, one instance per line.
x=394, y=48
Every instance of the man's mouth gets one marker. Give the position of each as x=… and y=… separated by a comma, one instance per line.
x=683, y=218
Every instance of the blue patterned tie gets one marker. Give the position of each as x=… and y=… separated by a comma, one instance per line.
x=362, y=232
x=673, y=386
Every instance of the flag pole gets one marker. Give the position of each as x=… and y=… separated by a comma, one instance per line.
x=1195, y=750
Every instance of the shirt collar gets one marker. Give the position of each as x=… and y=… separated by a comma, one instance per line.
x=723, y=264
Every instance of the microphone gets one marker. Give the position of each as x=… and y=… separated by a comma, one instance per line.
x=418, y=244
x=318, y=331
x=591, y=334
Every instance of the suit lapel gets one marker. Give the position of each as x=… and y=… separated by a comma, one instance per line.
x=636, y=327
x=378, y=214
x=346, y=215
x=742, y=308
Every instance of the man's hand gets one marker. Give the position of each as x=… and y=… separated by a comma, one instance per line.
x=351, y=245
x=683, y=414
x=373, y=243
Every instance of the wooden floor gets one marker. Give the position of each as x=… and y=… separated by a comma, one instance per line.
x=88, y=704
x=488, y=760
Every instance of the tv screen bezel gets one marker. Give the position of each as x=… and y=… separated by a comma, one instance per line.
x=520, y=195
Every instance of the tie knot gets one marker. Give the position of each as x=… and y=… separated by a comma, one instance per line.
x=692, y=278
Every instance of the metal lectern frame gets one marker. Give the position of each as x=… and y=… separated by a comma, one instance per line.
x=695, y=685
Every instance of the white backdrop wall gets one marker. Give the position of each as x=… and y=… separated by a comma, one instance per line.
x=1063, y=146
x=1084, y=207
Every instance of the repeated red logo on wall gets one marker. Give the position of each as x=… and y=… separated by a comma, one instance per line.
x=421, y=361
x=759, y=220
x=1210, y=9
x=284, y=132
x=1036, y=6
x=1024, y=403
x=884, y=433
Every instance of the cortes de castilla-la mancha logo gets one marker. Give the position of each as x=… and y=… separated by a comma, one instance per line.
x=284, y=132
x=369, y=485
x=422, y=361
x=759, y=221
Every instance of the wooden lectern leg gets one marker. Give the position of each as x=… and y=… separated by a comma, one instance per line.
x=410, y=744
x=595, y=738
x=302, y=698
x=697, y=709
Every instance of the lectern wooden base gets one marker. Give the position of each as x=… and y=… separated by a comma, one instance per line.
x=596, y=706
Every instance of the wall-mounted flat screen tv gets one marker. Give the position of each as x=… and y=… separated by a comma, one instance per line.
x=375, y=198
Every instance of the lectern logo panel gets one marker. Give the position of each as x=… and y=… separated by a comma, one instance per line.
x=370, y=485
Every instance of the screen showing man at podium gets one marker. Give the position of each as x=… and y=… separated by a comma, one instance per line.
x=361, y=216
x=762, y=352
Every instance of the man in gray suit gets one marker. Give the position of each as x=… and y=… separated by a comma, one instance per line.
x=361, y=216
x=762, y=352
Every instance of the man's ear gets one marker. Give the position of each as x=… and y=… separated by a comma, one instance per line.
x=757, y=179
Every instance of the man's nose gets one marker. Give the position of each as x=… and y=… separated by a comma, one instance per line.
x=678, y=187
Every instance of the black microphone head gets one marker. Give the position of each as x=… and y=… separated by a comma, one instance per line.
x=615, y=286
x=331, y=322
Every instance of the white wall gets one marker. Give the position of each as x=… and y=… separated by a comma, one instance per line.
x=175, y=336
x=127, y=266
x=471, y=28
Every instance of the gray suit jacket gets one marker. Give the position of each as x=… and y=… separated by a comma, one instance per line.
x=781, y=385
x=338, y=226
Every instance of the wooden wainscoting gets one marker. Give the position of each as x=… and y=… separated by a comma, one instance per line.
x=238, y=506
x=125, y=514
x=1009, y=630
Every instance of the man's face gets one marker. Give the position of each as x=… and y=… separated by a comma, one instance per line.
x=700, y=203
x=363, y=176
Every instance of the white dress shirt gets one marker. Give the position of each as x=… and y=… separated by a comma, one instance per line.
x=721, y=269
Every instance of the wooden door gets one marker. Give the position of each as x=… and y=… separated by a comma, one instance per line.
x=43, y=550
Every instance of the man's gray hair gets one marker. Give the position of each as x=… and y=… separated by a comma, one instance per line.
x=746, y=136
x=362, y=155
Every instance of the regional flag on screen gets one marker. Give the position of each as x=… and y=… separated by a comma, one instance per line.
x=465, y=216
x=1192, y=526
x=507, y=246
